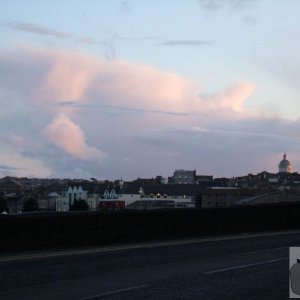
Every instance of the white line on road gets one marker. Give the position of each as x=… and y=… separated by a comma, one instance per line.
x=244, y=266
x=259, y=251
x=132, y=288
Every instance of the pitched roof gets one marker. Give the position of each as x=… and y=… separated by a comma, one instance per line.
x=168, y=189
x=172, y=189
x=95, y=188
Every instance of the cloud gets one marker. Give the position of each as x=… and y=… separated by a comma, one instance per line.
x=87, y=40
x=227, y=147
x=124, y=6
x=213, y=5
x=233, y=97
x=68, y=136
x=74, y=105
x=137, y=39
x=186, y=43
x=9, y=168
x=16, y=140
x=66, y=103
x=62, y=110
x=14, y=164
x=110, y=49
x=250, y=20
x=20, y=143
x=59, y=79
x=37, y=29
x=66, y=79
x=140, y=86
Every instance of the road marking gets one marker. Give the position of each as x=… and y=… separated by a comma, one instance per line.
x=259, y=251
x=132, y=288
x=244, y=266
x=141, y=246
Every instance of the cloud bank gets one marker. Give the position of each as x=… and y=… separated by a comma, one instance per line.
x=36, y=29
x=66, y=113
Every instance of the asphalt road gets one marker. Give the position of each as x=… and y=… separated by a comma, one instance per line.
x=240, y=267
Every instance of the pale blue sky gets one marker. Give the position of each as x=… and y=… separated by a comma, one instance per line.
x=211, y=44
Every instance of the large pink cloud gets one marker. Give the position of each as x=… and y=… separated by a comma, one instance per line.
x=141, y=86
x=67, y=77
x=84, y=79
x=69, y=137
x=86, y=105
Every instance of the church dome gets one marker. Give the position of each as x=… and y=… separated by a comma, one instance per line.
x=285, y=166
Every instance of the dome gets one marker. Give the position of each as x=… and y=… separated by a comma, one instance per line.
x=285, y=166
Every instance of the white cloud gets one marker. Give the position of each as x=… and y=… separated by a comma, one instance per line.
x=69, y=137
x=68, y=77
x=233, y=97
x=87, y=106
x=23, y=166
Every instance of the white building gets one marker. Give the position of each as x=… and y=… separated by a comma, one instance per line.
x=285, y=166
x=67, y=198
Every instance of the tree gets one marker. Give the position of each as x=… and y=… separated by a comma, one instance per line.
x=79, y=205
x=30, y=205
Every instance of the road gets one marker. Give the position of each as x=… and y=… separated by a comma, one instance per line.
x=237, y=267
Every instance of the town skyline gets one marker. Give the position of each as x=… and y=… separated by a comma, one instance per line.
x=125, y=88
x=284, y=167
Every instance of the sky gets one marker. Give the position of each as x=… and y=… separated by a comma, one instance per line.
x=138, y=88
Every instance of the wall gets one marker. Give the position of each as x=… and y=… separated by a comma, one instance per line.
x=68, y=230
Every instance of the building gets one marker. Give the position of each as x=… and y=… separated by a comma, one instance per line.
x=73, y=193
x=285, y=166
x=154, y=196
x=222, y=197
x=188, y=177
x=203, y=178
x=184, y=177
x=218, y=197
x=130, y=192
x=10, y=187
x=48, y=203
x=96, y=195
